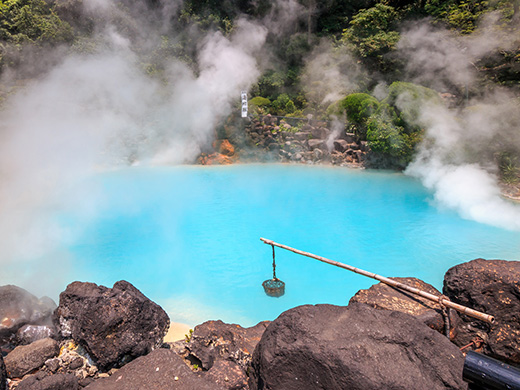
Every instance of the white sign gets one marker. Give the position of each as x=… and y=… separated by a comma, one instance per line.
x=244, y=103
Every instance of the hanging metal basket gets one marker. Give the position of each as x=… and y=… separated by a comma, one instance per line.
x=274, y=287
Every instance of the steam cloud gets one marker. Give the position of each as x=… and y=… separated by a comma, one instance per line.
x=330, y=73
x=457, y=159
x=101, y=110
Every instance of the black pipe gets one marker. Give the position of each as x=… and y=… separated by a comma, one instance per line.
x=485, y=373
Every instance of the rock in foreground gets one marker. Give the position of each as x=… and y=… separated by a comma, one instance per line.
x=214, y=340
x=26, y=358
x=161, y=369
x=3, y=374
x=355, y=347
x=53, y=382
x=382, y=296
x=111, y=323
x=224, y=351
x=493, y=287
x=19, y=307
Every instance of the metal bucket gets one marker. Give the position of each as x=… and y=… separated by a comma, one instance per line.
x=274, y=287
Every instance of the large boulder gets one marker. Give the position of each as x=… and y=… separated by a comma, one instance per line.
x=355, y=347
x=3, y=374
x=161, y=369
x=225, y=351
x=382, y=296
x=52, y=382
x=26, y=358
x=111, y=323
x=19, y=307
x=215, y=340
x=493, y=287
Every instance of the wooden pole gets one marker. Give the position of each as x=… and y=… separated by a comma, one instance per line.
x=442, y=300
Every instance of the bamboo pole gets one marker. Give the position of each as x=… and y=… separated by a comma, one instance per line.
x=442, y=300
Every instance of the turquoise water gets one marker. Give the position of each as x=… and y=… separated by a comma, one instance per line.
x=188, y=237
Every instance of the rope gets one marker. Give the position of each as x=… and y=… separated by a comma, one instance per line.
x=445, y=314
x=274, y=266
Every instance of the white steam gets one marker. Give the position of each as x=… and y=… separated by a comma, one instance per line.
x=102, y=110
x=330, y=73
x=457, y=159
x=439, y=58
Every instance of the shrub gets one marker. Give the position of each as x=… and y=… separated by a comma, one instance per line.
x=389, y=141
x=283, y=105
x=290, y=107
x=371, y=34
x=460, y=15
x=509, y=167
x=407, y=99
x=259, y=101
x=359, y=107
x=259, y=105
x=32, y=21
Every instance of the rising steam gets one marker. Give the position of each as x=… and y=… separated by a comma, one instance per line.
x=99, y=109
x=457, y=161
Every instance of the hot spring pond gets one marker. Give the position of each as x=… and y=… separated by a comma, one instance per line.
x=188, y=236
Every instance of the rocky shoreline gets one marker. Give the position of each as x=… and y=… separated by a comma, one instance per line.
x=112, y=338
x=273, y=139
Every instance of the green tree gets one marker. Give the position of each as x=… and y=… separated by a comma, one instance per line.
x=372, y=34
x=32, y=21
x=359, y=107
x=407, y=100
x=460, y=15
x=388, y=140
x=280, y=104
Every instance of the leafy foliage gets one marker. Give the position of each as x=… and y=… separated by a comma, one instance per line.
x=32, y=21
x=388, y=139
x=509, y=167
x=371, y=34
x=406, y=99
x=269, y=84
x=391, y=127
x=259, y=101
x=461, y=15
x=359, y=107
x=281, y=104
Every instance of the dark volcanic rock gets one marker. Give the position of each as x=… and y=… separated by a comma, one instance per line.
x=3, y=374
x=214, y=340
x=382, y=296
x=320, y=132
x=340, y=145
x=26, y=358
x=111, y=323
x=229, y=375
x=19, y=307
x=30, y=333
x=317, y=144
x=493, y=287
x=350, y=137
x=53, y=382
x=161, y=369
x=355, y=347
